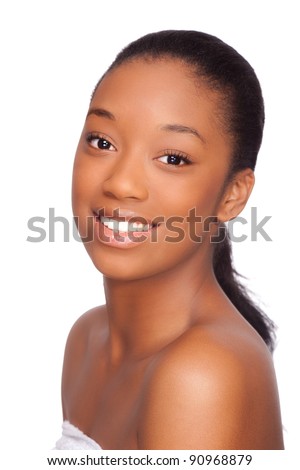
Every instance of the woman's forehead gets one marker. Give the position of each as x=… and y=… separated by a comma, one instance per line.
x=155, y=74
x=156, y=85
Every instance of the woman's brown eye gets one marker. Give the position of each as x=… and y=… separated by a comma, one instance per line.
x=103, y=144
x=175, y=160
x=99, y=142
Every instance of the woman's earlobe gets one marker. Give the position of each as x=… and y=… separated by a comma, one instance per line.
x=236, y=195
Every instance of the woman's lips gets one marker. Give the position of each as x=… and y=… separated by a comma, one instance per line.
x=123, y=230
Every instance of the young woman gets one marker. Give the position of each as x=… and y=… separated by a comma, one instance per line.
x=179, y=357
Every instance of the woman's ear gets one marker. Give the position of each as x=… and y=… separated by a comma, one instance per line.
x=236, y=195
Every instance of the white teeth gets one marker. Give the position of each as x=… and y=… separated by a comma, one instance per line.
x=109, y=223
x=138, y=227
x=124, y=226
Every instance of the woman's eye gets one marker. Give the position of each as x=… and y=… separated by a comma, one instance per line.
x=99, y=142
x=173, y=159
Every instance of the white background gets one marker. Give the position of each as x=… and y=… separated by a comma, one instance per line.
x=52, y=54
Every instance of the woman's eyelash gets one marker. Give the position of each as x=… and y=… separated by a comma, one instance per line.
x=175, y=158
x=103, y=142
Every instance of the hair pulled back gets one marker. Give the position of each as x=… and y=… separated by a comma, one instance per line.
x=225, y=71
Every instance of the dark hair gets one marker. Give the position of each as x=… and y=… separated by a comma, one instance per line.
x=224, y=70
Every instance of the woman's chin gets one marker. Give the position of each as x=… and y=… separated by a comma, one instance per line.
x=120, y=271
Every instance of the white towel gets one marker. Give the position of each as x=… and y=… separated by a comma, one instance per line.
x=74, y=439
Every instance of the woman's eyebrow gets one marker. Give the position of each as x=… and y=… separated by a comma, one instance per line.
x=184, y=130
x=101, y=112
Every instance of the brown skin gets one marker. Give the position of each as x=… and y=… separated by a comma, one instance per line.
x=168, y=363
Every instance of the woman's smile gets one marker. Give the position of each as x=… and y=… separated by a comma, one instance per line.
x=122, y=229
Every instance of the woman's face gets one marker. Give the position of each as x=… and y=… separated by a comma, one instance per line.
x=149, y=170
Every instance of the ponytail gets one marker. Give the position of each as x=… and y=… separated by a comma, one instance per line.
x=229, y=280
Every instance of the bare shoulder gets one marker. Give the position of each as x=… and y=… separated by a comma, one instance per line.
x=212, y=389
x=85, y=332
x=89, y=323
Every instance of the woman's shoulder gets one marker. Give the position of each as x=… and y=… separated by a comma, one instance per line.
x=218, y=382
x=86, y=332
x=94, y=320
x=208, y=350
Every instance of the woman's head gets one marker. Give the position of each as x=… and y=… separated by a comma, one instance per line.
x=165, y=123
x=151, y=147
x=224, y=71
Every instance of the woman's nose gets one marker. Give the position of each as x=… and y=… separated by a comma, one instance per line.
x=127, y=179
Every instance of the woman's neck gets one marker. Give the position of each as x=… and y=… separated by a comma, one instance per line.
x=146, y=315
